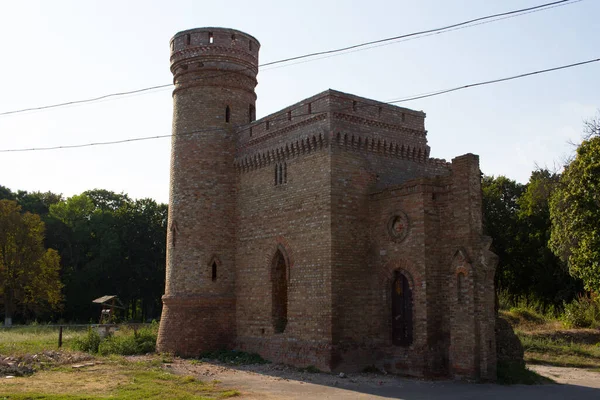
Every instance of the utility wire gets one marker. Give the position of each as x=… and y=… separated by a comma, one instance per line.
x=431, y=94
x=319, y=53
x=327, y=53
x=425, y=35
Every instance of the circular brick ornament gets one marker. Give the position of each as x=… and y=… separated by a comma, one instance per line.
x=398, y=226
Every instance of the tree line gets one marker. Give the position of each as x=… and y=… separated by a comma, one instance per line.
x=80, y=248
x=547, y=231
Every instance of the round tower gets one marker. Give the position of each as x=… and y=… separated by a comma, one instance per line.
x=214, y=72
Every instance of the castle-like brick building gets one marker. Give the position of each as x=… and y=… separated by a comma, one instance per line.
x=322, y=234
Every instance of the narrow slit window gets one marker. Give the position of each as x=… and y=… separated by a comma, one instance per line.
x=267, y=125
x=214, y=271
x=276, y=174
x=460, y=288
x=187, y=39
x=289, y=115
x=403, y=117
x=354, y=106
x=227, y=114
x=250, y=45
x=284, y=172
x=310, y=108
x=211, y=38
x=251, y=113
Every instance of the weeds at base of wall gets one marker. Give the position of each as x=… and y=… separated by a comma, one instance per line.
x=234, y=357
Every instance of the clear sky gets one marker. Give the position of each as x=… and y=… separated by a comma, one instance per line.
x=58, y=51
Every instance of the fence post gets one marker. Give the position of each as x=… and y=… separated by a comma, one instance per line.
x=60, y=337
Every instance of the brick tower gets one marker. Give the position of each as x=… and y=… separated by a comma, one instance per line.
x=214, y=73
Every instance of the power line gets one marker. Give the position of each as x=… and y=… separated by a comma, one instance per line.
x=328, y=53
x=415, y=33
x=425, y=35
x=431, y=94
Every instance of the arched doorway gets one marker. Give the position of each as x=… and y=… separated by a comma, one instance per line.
x=402, y=310
x=279, y=292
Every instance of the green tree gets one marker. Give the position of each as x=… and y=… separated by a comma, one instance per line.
x=500, y=212
x=29, y=274
x=575, y=214
x=545, y=276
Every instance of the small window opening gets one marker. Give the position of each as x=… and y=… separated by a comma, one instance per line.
x=289, y=115
x=251, y=113
x=250, y=131
x=279, y=293
x=310, y=108
x=354, y=106
x=214, y=271
x=379, y=111
x=211, y=38
x=276, y=174
x=267, y=125
x=403, y=117
x=460, y=288
x=227, y=114
x=250, y=45
x=187, y=39
x=233, y=37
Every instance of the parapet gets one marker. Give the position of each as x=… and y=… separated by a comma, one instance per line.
x=217, y=46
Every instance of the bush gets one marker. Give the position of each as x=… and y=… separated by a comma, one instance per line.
x=124, y=342
x=88, y=343
x=583, y=312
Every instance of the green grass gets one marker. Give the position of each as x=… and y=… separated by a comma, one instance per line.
x=21, y=340
x=542, y=349
x=112, y=378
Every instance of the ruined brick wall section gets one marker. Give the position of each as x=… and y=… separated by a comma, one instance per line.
x=292, y=217
x=214, y=73
x=473, y=347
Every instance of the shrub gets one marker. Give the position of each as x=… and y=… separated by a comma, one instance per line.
x=583, y=312
x=125, y=342
x=88, y=343
x=128, y=342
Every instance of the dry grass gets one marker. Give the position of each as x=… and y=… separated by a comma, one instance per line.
x=114, y=377
x=545, y=340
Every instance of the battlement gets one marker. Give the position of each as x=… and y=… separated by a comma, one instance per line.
x=213, y=49
x=334, y=104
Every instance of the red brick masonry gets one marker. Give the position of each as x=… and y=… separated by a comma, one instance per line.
x=340, y=189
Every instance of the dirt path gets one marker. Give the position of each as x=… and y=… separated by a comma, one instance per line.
x=569, y=376
x=273, y=381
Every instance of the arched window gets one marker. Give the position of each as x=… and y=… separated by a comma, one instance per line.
x=279, y=292
x=402, y=310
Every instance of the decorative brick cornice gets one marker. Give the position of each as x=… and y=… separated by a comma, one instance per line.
x=293, y=148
